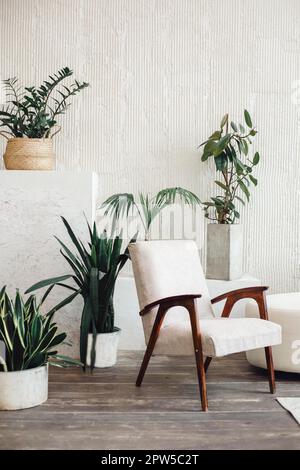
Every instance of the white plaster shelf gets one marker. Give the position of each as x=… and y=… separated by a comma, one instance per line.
x=31, y=203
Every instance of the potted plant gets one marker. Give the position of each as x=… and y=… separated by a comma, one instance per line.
x=30, y=340
x=95, y=271
x=147, y=208
x=30, y=117
x=229, y=148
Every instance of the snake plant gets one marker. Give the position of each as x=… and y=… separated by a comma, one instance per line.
x=95, y=271
x=29, y=338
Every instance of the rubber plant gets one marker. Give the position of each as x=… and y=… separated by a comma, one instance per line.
x=229, y=147
x=30, y=338
x=95, y=269
x=147, y=208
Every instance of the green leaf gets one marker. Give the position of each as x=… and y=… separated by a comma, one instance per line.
x=222, y=185
x=86, y=320
x=247, y=118
x=240, y=199
x=64, y=302
x=58, y=339
x=244, y=147
x=254, y=180
x=77, y=244
x=256, y=158
x=66, y=360
x=242, y=129
x=244, y=189
x=221, y=161
x=205, y=157
x=169, y=195
x=234, y=126
x=215, y=136
x=94, y=293
x=239, y=165
x=210, y=147
x=47, y=282
x=222, y=144
x=224, y=120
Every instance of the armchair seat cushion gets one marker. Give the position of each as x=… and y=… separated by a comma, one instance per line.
x=220, y=336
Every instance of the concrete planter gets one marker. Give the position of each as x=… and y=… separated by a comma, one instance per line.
x=224, y=251
x=24, y=388
x=106, y=349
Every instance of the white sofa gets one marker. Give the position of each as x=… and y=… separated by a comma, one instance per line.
x=283, y=309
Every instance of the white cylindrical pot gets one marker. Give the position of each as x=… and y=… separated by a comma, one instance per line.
x=224, y=251
x=106, y=349
x=24, y=388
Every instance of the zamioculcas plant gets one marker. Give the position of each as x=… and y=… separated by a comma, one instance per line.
x=30, y=338
x=33, y=111
x=95, y=271
x=29, y=117
x=146, y=207
x=229, y=148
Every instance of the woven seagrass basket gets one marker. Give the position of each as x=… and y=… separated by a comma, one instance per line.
x=29, y=154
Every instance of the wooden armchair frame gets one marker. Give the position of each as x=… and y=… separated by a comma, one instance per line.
x=189, y=302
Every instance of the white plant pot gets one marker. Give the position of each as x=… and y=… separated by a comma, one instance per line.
x=24, y=388
x=106, y=349
x=224, y=251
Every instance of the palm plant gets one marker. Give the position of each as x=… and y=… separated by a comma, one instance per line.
x=33, y=112
x=95, y=271
x=230, y=151
x=147, y=208
x=29, y=337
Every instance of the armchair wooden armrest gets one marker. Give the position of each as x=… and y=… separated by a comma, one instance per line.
x=174, y=301
x=256, y=292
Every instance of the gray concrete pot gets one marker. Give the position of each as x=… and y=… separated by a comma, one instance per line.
x=224, y=251
x=106, y=349
x=24, y=388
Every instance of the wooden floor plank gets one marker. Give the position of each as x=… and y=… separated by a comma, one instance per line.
x=106, y=411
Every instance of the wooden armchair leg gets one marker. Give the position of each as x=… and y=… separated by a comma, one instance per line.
x=198, y=355
x=207, y=363
x=270, y=366
x=149, y=350
x=263, y=311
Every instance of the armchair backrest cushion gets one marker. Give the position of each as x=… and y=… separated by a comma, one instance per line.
x=166, y=268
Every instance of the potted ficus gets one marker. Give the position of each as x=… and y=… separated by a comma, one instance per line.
x=30, y=341
x=30, y=118
x=229, y=147
x=95, y=267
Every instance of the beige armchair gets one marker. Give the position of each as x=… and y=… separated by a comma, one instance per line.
x=177, y=313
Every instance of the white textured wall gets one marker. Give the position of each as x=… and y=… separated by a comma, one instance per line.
x=162, y=73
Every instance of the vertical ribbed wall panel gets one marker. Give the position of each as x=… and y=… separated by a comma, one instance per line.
x=162, y=74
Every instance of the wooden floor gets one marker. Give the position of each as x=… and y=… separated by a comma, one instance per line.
x=106, y=411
